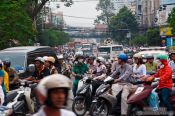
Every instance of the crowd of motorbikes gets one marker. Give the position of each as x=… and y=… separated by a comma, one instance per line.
x=103, y=103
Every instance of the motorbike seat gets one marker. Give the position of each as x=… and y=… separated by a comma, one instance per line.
x=173, y=91
x=10, y=96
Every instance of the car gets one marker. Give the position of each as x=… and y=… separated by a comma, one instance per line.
x=21, y=57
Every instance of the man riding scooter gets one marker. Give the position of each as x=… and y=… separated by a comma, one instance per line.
x=122, y=82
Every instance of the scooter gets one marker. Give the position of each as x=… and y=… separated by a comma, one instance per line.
x=104, y=103
x=139, y=99
x=82, y=101
x=24, y=102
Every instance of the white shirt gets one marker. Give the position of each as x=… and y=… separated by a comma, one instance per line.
x=140, y=71
x=172, y=65
x=64, y=112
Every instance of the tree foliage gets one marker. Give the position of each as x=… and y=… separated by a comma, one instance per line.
x=139, y=40
x=15, y=24
x=153, y=37
x=51, y=37
x=122, y=23
x=107, y=11
x=171, y=19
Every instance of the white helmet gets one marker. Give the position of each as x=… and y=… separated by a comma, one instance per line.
x=137, y=55
x=1, y=64
x=53, y=81
x=101, y=59
x=40, y=59
x=60, y=56
x=51, y=59
x=45, y=58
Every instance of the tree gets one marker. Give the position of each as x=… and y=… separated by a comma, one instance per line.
x=15, y=24
x=171, y=19
x=51, y=37
x=153, y=37
x=122, y=23
x=139, y=40
x=107, y=11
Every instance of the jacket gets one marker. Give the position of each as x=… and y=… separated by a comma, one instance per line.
x=165, y=75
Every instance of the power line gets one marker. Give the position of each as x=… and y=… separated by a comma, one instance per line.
x=88, y=18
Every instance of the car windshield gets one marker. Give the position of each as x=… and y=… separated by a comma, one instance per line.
x=117, y=48
x=17, y=59
x=105, y=49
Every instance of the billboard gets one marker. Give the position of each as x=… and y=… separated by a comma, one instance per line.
x=167, y=2
x=165, y=31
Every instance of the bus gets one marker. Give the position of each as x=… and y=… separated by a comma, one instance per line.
x=109, y=52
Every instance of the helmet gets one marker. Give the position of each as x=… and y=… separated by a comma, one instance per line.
x=149, y=56
x=51, y=59
x=40, y=59
x=79, y=56
x=123, y=57
x=7, y=63
x=45, y=58
x=92, y=58
x=137, y=56
x=52, y=82
x=60, y=56
x=101, y=59
x=163, y=57
x=1, y=64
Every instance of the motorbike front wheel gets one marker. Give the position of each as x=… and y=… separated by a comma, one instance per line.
x=99, y=109
x=79, y=106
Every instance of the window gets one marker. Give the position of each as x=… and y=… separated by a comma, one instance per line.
x=117, y=48
x=105, y=49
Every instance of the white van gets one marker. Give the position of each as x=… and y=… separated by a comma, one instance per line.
x=108, y=52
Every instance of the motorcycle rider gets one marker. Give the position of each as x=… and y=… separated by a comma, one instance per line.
x=53, y=92
x=2, y=86
x=90, y=64
x=139, y=68
x=49, y=63
x=13, y=76
x=40, y=71
x=165, y=84
x=151, y=66
x=124, y=72
x=79, y=68
x=172, y=62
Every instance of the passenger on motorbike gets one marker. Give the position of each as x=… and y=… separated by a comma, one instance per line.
x=114, y=64
x=165, y=84
x=49, y=63
x=13, y=76
x=53, y=92
x=2, y=86
x=139, y=68
x=124, y=72
x=79, y=68
x=91, y=64
x=40, y=71
x=151, y=66
x=172, y=62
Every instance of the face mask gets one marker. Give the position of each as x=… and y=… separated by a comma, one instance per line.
x=160, y=65
x=80, y=60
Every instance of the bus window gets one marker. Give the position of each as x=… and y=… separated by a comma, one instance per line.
x=117, y=48
x=105, y=49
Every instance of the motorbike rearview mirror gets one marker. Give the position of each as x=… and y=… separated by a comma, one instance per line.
x=31, y=68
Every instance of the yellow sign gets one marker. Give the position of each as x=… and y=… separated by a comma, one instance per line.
x=165, y=31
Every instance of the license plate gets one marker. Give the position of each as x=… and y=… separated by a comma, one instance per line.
x=139, y=90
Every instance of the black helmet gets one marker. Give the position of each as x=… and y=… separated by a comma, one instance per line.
x=7, y=63
x=149, y=56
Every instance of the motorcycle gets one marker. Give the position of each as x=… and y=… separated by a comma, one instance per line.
x=82, y=101
x=24, y=102
x=139, y=99
x=104, y=103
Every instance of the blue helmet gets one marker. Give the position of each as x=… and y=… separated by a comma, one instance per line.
x=123, y=57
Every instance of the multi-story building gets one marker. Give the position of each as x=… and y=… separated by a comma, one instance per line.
x=118, y=4
x=146, y=11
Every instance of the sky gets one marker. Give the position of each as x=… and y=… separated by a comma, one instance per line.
x=79, y=9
